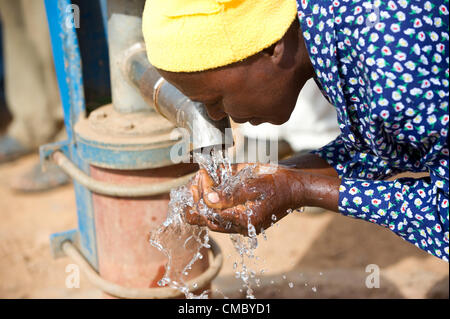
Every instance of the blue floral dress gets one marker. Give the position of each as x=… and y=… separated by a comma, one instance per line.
x=384, y=65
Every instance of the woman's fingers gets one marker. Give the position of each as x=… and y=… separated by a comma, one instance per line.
x=248, y=190
x=201, y=185
x=193, y=217
x=214, y=195
x=236, y=219
x=231, y=207
x=194, y=187
x=232, y=193
x=231, y=220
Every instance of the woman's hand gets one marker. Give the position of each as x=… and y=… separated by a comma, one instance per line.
x=262, y=195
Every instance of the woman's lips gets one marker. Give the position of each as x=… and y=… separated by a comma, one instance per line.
x=256, y=121
x=251, y=120
x=240, y=120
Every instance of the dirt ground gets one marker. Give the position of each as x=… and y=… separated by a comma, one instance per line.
x=308, y=255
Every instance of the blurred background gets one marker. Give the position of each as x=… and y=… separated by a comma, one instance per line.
x=314, y=254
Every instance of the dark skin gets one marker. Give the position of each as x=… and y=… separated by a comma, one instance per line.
x=262, y=88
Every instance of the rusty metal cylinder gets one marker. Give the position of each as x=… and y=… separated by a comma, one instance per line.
x=123, y=225
x=128, y=143
x=124, y=144
x=132, y=149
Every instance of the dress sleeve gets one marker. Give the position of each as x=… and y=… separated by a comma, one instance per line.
x=349, y=162
x=415, y=209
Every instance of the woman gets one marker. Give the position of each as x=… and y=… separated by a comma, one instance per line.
x=385, y=68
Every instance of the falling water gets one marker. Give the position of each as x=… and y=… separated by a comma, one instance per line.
x=220, y=170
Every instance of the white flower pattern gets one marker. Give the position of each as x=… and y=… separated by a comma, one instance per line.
x=389, y=81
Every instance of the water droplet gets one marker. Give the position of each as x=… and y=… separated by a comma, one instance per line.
x=274, y=218
x=263, y=233
x=291, y=285
x=314, y=289
x=284, y=277
x=251, y=231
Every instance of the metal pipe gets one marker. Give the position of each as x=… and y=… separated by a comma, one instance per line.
x=116, y=290
x=124, y=29
x=174, y=105
x=109, y=189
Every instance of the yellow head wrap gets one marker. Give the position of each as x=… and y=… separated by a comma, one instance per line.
x=196, y=35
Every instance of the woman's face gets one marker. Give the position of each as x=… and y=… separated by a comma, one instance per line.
x=262, y=88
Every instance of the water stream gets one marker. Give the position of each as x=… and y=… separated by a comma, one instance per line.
x=196, y=238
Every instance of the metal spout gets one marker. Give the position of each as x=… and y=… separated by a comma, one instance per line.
x=174, y=105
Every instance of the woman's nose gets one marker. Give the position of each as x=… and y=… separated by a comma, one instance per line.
x=215, y=112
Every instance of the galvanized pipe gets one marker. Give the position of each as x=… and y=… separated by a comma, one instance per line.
x=109, y=189
x=124, y=29
x=174, y=105
x=116, y=290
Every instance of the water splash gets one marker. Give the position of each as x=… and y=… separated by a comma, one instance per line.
x=196, y=238
x=173, y=231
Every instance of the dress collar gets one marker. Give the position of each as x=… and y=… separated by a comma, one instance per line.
x=317, y=20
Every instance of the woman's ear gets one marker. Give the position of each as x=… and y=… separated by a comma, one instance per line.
x=282, y=53
x=279, y=51
x=275, y=51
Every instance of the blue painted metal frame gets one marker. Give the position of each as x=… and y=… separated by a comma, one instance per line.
x=104, y=10
x=125, y=156
x=68, y=65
